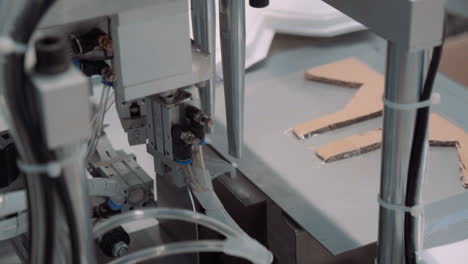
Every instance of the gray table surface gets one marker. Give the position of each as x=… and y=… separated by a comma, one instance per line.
x=336, y=202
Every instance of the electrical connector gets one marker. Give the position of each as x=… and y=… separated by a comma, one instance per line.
x=94, y=39
x=101, y=68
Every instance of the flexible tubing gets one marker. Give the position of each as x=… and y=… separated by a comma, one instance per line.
x=166, y=214
x=185, y=248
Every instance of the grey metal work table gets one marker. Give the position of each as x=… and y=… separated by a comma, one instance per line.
x=336, y=202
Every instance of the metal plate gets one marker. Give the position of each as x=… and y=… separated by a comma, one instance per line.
x=337, y=202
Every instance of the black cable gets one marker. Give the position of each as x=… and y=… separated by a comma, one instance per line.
x=50, y=186
x=416, y=156
x=70, y=217
x=26, y=119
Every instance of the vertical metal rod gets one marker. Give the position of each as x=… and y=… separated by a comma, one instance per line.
x=404, y=82
x=204, y=33
x=232, y=30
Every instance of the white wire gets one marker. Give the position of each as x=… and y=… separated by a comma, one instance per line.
x=112, y=97
x=109, y=105
x=191, y=199
x=101, y=102
x=99, y=117
x=195, y=211
x=100, y=123
x=96, y=123
x=104, y=111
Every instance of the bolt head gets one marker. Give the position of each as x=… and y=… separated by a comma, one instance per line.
x=120, y=249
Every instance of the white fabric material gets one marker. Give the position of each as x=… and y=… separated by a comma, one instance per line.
x=312, y=18
x=456, y=253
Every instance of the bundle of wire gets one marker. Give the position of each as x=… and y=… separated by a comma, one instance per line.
x=105, y=103
x=46, y=196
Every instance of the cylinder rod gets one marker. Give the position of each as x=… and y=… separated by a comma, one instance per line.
x=204, y=33
x=232, y=25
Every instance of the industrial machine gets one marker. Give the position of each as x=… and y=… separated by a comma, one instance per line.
x=70, y=191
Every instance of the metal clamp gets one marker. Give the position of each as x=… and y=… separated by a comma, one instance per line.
x=53, y=168
x=435, y=99
x=9, y=46
x=415, y=211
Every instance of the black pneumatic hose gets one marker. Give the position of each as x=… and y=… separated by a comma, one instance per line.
x=71, y=218
x=416, y=156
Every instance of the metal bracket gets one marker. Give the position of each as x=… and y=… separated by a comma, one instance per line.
x=412, y=24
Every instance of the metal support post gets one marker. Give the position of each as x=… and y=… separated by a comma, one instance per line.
x=418, y=28
x=204, y=33
x=232, y=24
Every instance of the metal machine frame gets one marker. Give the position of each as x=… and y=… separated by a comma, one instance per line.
x=153, y=78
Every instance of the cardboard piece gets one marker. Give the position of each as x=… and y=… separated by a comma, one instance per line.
x=445, y=134
x=365, y=104
x=442, y=133
x=350, y=146
x=454, y=63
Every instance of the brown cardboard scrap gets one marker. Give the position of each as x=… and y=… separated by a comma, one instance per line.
x=350, y=146
x=442, y=133
x=366, y=104
x=350, y=70
x=462, y=147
